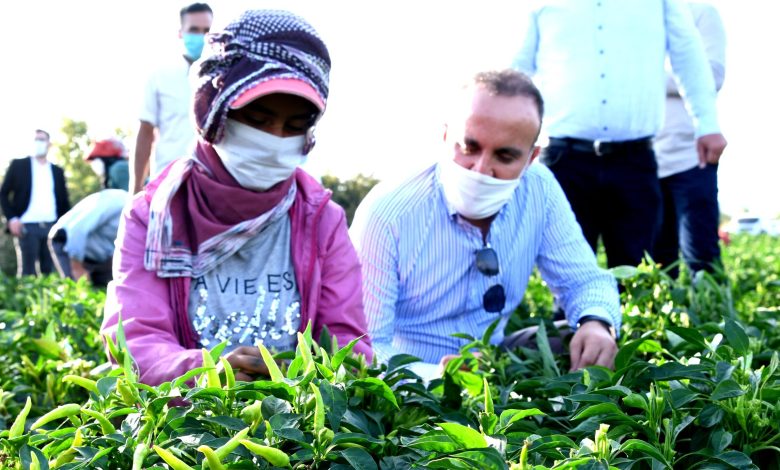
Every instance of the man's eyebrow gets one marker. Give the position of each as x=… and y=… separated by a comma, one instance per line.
x=512, y=151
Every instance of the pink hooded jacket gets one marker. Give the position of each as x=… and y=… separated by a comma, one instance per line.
x=327, y=272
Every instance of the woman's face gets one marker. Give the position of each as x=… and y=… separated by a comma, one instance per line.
x=279, y=114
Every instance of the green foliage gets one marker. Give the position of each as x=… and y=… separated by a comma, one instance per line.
x=349, y=193
x=696, y=385
x=69, y=153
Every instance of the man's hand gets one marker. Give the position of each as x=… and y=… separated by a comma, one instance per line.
x=446, y=360
x=248, y=361
x=77, y=270
x=15, y=226
x=592, y=344
x=710, y=147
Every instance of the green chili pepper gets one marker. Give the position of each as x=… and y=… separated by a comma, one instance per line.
x=171, y=459
x=139, y=455
x=274, y=456
x=126, y=392
x=62, y=411
x=18, y=427
x=230, y=378
x=211, y=457
x=225, y=449
x=90, y=385
x=273, y=368
x=212, y=377
x=105, y=425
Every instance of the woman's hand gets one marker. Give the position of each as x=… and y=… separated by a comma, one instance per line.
x=248, y=363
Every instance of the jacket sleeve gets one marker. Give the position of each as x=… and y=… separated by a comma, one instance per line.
x=6, y=189
x=144, y=302
x=340, y=305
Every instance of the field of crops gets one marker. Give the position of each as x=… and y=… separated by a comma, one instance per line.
x=696, y=386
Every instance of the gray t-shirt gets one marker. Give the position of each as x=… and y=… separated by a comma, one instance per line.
x=251, y=297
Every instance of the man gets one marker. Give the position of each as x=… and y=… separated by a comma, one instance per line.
x=82, y=241
x=600, y=65
x=689, y=186
x=166, y=107
x=451, y=249
x=33, y=197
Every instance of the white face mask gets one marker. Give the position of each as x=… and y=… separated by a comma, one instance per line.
x=256, y=159
x=40, y=148
x=98, y=166
x=472, y=194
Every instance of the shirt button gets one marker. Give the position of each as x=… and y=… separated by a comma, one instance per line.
x=601, y=51
x=601, y=27
x=603, y=75
x=603, y=101
x=605, y=128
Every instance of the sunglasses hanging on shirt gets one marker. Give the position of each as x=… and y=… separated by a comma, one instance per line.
x=494, y=298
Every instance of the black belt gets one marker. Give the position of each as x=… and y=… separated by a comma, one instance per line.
x=40, y=224
x=601, y=147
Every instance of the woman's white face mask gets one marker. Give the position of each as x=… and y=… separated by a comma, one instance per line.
x=256, y=159
x=472, y=194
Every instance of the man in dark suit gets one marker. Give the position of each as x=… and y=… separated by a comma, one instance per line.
x=33, y=197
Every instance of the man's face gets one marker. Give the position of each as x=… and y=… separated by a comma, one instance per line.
x=196, y=23
x=494, y=135
x=41, y=144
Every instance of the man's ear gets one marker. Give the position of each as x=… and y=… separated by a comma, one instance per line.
x=535, y=153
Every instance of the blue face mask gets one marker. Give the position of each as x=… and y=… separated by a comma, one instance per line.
x=193, y=45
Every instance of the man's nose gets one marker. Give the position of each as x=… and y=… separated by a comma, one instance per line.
x=483, y=165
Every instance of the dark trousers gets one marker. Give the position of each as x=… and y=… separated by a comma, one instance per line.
x=615, y=196
x=32, y=250
x=100, y=273
x=690, y=219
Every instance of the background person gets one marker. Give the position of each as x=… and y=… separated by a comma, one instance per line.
x=33, y=196
x=165, y=116
x=689, y=185
x=82, y=240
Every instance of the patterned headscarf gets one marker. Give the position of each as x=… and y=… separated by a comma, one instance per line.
x=260, y=45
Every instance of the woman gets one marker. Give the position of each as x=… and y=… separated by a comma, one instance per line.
x=235, y=243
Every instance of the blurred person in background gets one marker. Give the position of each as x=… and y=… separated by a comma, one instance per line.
x=165, y=115
x=689, y=184
x=33, y=196
x=82, y=240
x=600, y=67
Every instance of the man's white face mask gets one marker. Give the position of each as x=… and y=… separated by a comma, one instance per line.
x=40, y=148
x=256, y=159
x=472, y=194
x=98, y=166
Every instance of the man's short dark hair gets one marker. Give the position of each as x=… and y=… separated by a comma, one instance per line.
x=194, y=8
x=509, y=82
x=48, y=137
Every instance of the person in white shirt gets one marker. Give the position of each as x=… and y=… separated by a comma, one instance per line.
x=165, y=115
x=689, y=186
x=600, y=67
x=33, y=196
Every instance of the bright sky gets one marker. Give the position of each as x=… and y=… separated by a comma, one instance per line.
x=393, y=63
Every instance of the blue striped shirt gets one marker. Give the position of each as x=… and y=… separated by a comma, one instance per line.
x=420, y=282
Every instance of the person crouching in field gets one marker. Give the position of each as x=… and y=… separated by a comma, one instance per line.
x=234, y=243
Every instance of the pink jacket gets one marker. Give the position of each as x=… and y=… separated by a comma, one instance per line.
x=326, y=269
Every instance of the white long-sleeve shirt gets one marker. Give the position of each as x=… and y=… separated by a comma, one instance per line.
x=600, y=66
